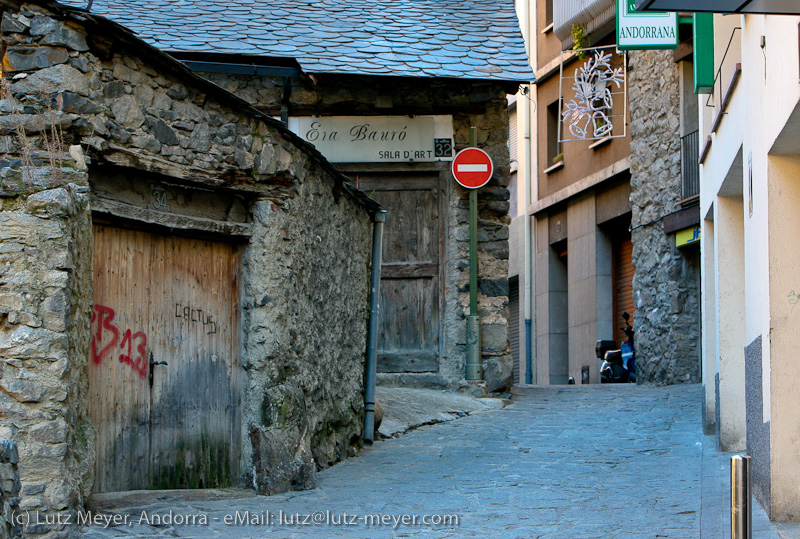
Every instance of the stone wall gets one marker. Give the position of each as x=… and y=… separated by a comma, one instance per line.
x=307, y=307
x=666, y=283
x=471, y=103
x=45, y=302
x=9, y=491
x=92, y=86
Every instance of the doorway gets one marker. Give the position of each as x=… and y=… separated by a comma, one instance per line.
x=408, y=340
x=164, y=365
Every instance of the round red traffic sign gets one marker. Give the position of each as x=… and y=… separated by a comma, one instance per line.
x=472, y=168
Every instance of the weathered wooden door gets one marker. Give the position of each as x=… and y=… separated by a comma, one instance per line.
x=410, y=303
x=173, y=300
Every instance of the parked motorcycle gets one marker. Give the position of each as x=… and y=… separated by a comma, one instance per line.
x=619, y=365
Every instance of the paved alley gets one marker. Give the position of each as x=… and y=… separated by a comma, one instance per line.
x=576, y=462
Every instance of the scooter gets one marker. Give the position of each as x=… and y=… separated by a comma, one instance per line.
x=619, y=366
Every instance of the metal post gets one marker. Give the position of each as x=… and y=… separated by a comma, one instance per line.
x=372, y=339
x=473, y=368
x=528, y=346
x=741, y=500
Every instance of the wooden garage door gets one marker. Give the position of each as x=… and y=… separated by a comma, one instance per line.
x=623, y=283
x=173, y=300
x=409, y=319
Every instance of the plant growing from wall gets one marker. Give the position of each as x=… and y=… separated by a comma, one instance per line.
x=579, y=40
x=45, y=142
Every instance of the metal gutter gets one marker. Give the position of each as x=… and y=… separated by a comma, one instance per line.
x=379, y=218
x=242, y=69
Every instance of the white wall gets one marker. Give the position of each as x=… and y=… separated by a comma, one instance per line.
x=761, y=131
x=709, y=325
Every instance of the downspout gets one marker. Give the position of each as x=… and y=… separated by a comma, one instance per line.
x=379, y=218
x=527, y=235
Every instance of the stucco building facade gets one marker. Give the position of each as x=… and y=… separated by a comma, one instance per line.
x=749, y=205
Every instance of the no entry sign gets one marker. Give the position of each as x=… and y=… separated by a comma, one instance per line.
x=472, y=168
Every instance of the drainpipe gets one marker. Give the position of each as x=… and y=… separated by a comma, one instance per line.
x=527, y=234
x=528, y=249
x=379, y=219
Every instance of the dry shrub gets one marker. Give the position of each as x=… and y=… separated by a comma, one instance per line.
x=48, y=143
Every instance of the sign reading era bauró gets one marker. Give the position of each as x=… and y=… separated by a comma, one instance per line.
x=378, y=139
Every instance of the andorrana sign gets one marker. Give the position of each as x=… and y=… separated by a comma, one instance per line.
x=378, y=139
x=645, y=30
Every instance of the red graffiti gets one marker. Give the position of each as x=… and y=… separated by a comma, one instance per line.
x=105, y=317
x=139, y=364
x=105, y=322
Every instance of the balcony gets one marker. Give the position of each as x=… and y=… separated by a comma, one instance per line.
x=591, y=14
x=690, y=168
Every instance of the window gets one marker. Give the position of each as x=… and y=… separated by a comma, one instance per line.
x=553, y=147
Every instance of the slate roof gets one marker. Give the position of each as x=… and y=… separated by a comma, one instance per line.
x=470, y=39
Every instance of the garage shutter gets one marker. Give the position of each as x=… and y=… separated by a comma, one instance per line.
x=623, y=289
x=513, y=324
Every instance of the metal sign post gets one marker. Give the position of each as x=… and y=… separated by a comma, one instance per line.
x=472, y=168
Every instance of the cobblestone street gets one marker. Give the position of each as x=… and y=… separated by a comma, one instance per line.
x=575, y=462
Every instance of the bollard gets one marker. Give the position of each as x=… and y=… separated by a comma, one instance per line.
x=741, y=500
x=585, y=378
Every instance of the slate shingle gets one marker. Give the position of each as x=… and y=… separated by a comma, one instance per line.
x=476, y=39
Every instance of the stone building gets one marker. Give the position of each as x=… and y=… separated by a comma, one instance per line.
x=163, y=320
x=665, y=215
x=387, y=91
x=598, y=218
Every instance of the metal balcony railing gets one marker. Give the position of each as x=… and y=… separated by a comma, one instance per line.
x=726, y=79
x=690, y=166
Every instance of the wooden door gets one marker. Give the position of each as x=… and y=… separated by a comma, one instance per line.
x=410, y=302
x=171, y=300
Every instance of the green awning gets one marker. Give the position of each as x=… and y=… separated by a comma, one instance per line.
x=770, y=7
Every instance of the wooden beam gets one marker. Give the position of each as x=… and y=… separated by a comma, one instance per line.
x=410, y=361
x=409, y=271
x=169, y=220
